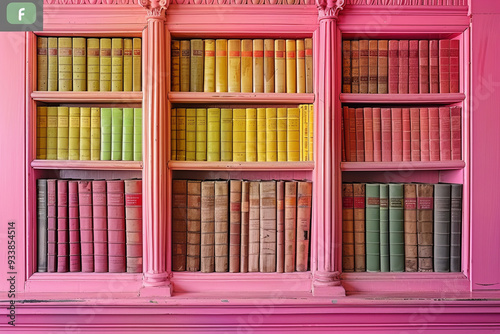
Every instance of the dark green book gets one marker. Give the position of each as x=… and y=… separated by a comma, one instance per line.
x=116, y=133
x=105, y=133
x=128, y=134
x=137, y=134
x=372, y=227
x=396, y=228
x=442, y=224
x=384, y=227
x=456, y=228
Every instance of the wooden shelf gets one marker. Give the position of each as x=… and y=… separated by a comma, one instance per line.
x=86, y=164
x=87, y=97
x=254, y=98
x=246, y=166
x=402, y=98
x=401, y=165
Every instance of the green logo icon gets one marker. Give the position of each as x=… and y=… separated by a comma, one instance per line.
x=21, y=13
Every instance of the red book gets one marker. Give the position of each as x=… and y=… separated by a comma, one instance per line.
x=444, y=134
x=444, y=66
x=385, y=122
x=62, y=227
x=433, y=66
x=100, y=226
x=424, y=134
x=345, y=134
x=368, y=133
x=403, y=67
x=133, y=223
x=382, y=67
x=434, y=134
x=415, y=134
x=372, y=66
x=423, y=66
x=74, y=227
x=397, y=135
x=454, y=77
x=413, y=62
x=363, y=66
x=360, y=146
x=393, y=67
x=406, y=134
x=456, y=133
x=352, y=133
x=86, y=237
x=116, y=227
x=51, y=226
x=342, y=131
x=377, y=136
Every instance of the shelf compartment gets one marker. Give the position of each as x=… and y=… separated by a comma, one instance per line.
x=87, y=164
x=402, y=98
x=87, y=97
x=402, y=165
x=254, y=98
x=241, y=166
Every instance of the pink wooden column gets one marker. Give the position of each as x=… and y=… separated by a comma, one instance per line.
x=156, y=278
x=326, y=177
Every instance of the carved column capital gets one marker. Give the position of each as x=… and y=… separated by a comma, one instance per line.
x=155, y=8
x=329, y=9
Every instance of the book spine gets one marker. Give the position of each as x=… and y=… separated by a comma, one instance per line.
x=271, y=134
x=41, y=132
x=352, y=133
x=279, y=66
x=355, y=67
x=239, y=134
x=86, y=225
x=244, y=239
x=308, y=46
x=258, y=65
x=179, y=225
x=93, y=66
x=415, y=133
x=235, y=196
x=280, y=226
x=52, y=133
x=65, y=64
x=74, y=134
x=281, y=127
x=444, y=66
x=311, y=132
x=201, y=134
x=105, y=64
x=251, y=134
x=377, y=135
x=185, y=65
x=406, y=125
x=368, y=133
x=85, y=133
x=304, y=120
x=173, y=134
x=413, y=67
x=433, y=66
x=137, y=134
x=397, y=134
x=193, y=238
x=382, y=67
x=221, y=78
x=456, y=133
x=137, y=65
x=360, y=146
x=207, y=249
x=347, y=227
x=359, y=191
x=246, y=66
x=425, y=205
x=254, y=226
x=128, y=134
x=442, y=225
x=346, y=66
x=372, y=227
x=267, y=251
x=117, y=64
x=226, y=134
x=304, y=202
x=181, y=134
x=100, y=226
x=79, y=64
x=444, y=134
x=269, y=66
x=393, y=67
x=291, y=66
x=196, y=66
x=396, y=228
x=363, y=66
x=51, y=226
x=62, y=133
x=261, y=134
x=106, y=131
x=456, y=228
x=301, y=66
x=410, y=227
x=234, y=65
x=62, y=227
x=52, y=66
x=213, y=134
x=423, y=66
x=372, y=66
x=292, y=134
x=385, y=125
x=190, y=134
x=116, y=133
x=454, y=66
x=128, y=54
x=384, y=228
x=345, y=133
x=221, y=226
x=133, y=224
x=424, y=135
x=42, y=63
x=403, y=67
x=74, y=228
x=41, y=223
x=175, y=66
x=434, y=138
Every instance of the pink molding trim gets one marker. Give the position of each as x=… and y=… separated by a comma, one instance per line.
x=87, y=165
x=401, y=165
x=408, y=2
x=87, y=97
x=253, y=98
x=238, y=166
x=242, y=2
x=402, y=98
x=90, y=2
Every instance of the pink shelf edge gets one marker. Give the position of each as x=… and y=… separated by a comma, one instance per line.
x=248, y=166
x=402, y=98
x=87, y=165
x=192, y=97
x=401, y=165
x=87, y=97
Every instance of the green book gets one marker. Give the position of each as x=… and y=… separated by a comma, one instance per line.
x=137, y=134
x=372, y=227
x=384, y=228
x=128, y=134
x=116, y=133
x=201, y=134
x=396, y=228
x=105, y=133
x=190, y=134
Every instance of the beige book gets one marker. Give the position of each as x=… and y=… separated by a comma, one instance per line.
x=279, y=66
x=209, y=66
x=221, y=226
x=117, y=64
x=239, y=134
x=246, y=66
x=269, y=66
x=226, y=134
x=254, y=226
x=185, y=65
x=221, y=65
x=304, y=200
x=42, y=63
x=308, y=45
x=79, y=64
x=234, y=225
x=291, y=66
x=105, y=64
x=258, y=66
x=301, y=66
x=193, y=225
x=93, y=59
x=197, y=55
x=267, y=259
x=293, y=134
x=290, y=224
x=280, y=226
x=245, y=220
x=234, y=66
x=128, y=55
x=52, y=67
x=65, y=62
x=207, y=226
x=137, y=65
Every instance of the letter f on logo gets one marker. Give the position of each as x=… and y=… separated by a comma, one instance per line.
x=21, y=13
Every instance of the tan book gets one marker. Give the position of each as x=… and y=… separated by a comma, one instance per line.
x=209, y=66
x=193, y=225
x=258, y=66
x=425, y=224
x=308, y=45
x=137, y=65
x=175, y=66
x=52, y=67
x=185, y=65
x=93, y=60
x=269, y=66
x=347, y=227
x=281, y=133
x=105, y=64
x=304, y=200
x=117, y=64
x=190, y=134
x=221, y=226
x=65, y=63
x=197, y=55
x=79, y=64
x=221, y=65
x=279, y=66
x=234, y=225
x=382, y=71
x=410, y=226
x=246, y=66
x=234, y=66
x=42, y=63
x=359, y=227
x=301, y=66
x=267, y=259
x=207, y=226
x=280, y=226
x=261, y=134
x=254, y=226
x=291, y=66
x=290, y=224
x=128, y=69
x=245, y=219
x=239, y=134
x=179, y=224
x=251, y=134
x=271, y=135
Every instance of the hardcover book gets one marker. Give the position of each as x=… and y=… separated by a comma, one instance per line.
x=372, y=227
x=410, y=227
x=100, y=226
x=86, y=225
x=209, y=66
x=42, y=63
x=193, y=225
x=258, y=65
x=425, y=205
x=359, y=192
x=133, y=224
x=185, y=65
x=304, y=201
x=396, y=228
x=179, y=225
x=347, y=227
x=235, y=215
x=207, y=250
x=234, y=66
x=221, y=214
x=79, y=64
x=246, y=66
x=93, y=64
x=196, y=63
x=42, y=218
x=74, y=133
x=267, y=251
x=65, y=63
x=105, y=64
x=442, y=225
x=115, y=199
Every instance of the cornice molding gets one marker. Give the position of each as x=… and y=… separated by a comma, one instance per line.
x=90, y=2
x=445, y=3
x=155, y=8
x=329, y=9
x=180, y=2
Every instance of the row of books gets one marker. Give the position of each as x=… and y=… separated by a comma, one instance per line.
x=400, y=66
x=241, y=226
x=246, y=65
x=89, y=225
x=89, y=133
x=401, y=134
x=242, y=134
x=89, y=64
x=401, y=227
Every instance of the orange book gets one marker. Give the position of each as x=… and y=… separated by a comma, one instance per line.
x=291, y=66
x=234, y=66
x=246, y=66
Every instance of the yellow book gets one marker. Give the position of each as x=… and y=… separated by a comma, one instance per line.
x=311, y=132
x=301, y=131
x=291, y=66
x=271, y=135
x=293, y=134
x=105, y=64
x=185, y=61
x=213, y=134
x=234, y=66
x=175, y=66
x=269, y=65
x=65, y=62
x=239, y=135
x=128, y=51
x=93, y=64
x=201, y=134
x=41, y=133
x=251, y=134
x=51, y=133
x=42, y=63
x=279, y=66
x=305, y=132
x=137, y=65
x=117, y=64
x=258, y=65
x=301, y=67
x=281, y=127
x=190, y=134
x=246, y=66
x=221, y=65
x=79, y=64
x=196, y=80
x=74, y=134
x=226, y=134
x=261, y=134
x=95, y=133
x=181, y=134
x=308, y=45
x=85, y=133
x=62, y=132
x=209, y=66
x=173, y=134
x=52, y=68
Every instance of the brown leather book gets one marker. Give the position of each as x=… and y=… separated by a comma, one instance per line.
x=425, y=204
x=267, y=258
x=304, y=200
x=410, y=226
x=382, y=73
x=234, y=225
x=359, y=227
x=280, y=226
x=254, y=227
x=221, y=226
x=193, y=225
x=207, y=260
x=179, y=224
x=347, y=227
x=346, y=66
x=245, y=206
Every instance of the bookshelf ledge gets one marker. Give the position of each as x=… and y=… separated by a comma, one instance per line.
x=253, y=98
x=402, y=165
x=87, y=164
x=235, y=165
x=87, y=97
x=402, y=98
